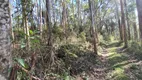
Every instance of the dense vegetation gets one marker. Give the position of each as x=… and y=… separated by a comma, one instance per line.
x=71, y=40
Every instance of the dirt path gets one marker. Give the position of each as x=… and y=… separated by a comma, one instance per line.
x=100, y=70
x=111, y=64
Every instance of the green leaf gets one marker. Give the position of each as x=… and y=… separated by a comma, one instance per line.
x=22, y=62
x=70, y=53
x=23, y=45
x=22, y=33
x=31, y=32
x=35, y=41
x=67, y=78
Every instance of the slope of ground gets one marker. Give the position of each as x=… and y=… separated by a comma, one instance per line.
x=114, y=63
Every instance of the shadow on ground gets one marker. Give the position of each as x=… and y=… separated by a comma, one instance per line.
x=117, y=65
x=114, y=44
x=123, y=64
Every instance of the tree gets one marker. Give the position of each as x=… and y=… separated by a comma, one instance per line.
x=25, y=12
x=127, y=19
x=40, y=15
x=48, y=20
x=5, y=53
x=123, y=23
x=135, y=31
x=79, y=15
x=91, y=7
x=139, y=9
x=64, y=18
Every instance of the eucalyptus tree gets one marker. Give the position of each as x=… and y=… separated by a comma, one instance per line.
x=5, y=52
x=123, y=24
x=131, y=9
x=40, y=15
x=127, y=19
x=64, y=17
x=79, y=6
x=27, y=10
x=139, y=9
x=48, y=20
x=91, y=8
x=135, y=31
x=118, y=20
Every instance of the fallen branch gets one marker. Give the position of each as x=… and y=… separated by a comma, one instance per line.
x=33, y=77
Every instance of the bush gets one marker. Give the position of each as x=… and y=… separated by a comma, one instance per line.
x=82, y=35
x=68, y=50
x=134, y=49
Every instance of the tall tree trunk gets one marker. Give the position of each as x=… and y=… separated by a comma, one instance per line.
x=64, y=18
x=91, y=5
x=11, y=29
x=49, y=35
x=73, y=12
x=53, y=11
x=78, y=12
x=119, y=23
x=5, y=52
x=27, y=33
x=79, y=15
x=23, y=19
x=123, y=23
x=25, y=22
x=127, y=19
x=135, y=31
x=139, y=9
x=40, y=25
x=120, y=29
x=51, y=55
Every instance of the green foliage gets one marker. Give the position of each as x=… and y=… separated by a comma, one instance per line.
x=134, y=46
x=134, y=49
x=31, y=32
x=22, y=44
x=106, y=37
x=21, y=34
x=22, y=63
x=58, y=32
x=82, y=35
x=69, y=50
x=115, y=60
x=134, y=67
x=70, y=53
x=20, y=74
x=66, y=76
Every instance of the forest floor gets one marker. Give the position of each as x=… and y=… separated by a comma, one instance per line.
x=114, y=63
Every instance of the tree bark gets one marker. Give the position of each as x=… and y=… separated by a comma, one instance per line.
x=119, y=23
x=64, y=18
x=5, y=52
x=40, y=25
x=79, y=20
x=25, y=24
x=27, y=33
x=127, y=19
x=91, y=5
x=123, y=23
x=135, y=31
x=48, y=20
x=139, y=9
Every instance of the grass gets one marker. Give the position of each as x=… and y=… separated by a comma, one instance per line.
x=120, y=65
x=124, y=65
x=117, y=62
x=118, y=74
